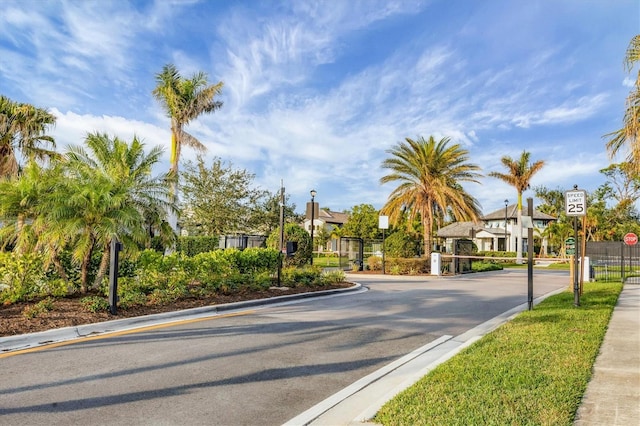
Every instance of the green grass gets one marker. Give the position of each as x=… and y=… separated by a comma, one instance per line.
x=532, y=370
x=329, y=261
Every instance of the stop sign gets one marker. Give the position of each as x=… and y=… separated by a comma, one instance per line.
x=630, y=239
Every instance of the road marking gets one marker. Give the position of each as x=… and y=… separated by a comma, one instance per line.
x=110, y=334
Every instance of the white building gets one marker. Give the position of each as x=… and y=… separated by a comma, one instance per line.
x=496, y=231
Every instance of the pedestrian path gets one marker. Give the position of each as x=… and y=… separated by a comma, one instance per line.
x=613, y=394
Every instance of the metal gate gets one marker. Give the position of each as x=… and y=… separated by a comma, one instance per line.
x=353, y=248
x=613, y=260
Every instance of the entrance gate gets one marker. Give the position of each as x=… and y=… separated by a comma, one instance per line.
x=353, y=248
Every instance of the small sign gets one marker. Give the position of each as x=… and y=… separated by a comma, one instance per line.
x=383, y=222
x=570, y=246
x=631, y=239
x=575, y=202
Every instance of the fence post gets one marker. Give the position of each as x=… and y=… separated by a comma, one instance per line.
x=622, y=262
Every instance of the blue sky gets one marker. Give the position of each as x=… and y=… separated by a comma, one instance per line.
x=315, y=92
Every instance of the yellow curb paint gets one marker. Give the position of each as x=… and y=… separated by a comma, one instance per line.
x=120, y=333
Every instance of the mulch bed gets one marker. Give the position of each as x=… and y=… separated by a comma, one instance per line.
x=69, y=311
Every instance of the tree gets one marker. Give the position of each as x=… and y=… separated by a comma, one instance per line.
x=22, y=129
x=296, y=234
x=219, y=199
x=362, y=222
x=429, y=174
x=108, y=193
x=628, y=135
x=623, y=184
x=267, y=215
x=520, y=172
x=22, y=206
x=184, y=100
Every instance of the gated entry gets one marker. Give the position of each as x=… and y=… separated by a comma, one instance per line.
x=613, y=260
x=462, y=265
x=353, y=248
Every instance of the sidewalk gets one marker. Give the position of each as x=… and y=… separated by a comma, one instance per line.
x=613, y=394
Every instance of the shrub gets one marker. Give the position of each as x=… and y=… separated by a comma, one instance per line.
x=21, y=277
x=94, y=304
x=43, y=306
x=295, y=277
x=414, y=266
x=399, y=244
x=193, y=245
x=261, y=281
x=374, y=263
x=485, y=266
x=293, y=233
x=332, y=277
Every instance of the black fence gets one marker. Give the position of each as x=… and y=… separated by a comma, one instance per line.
x=613, y=260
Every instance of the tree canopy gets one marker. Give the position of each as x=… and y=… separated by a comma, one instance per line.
x=429, y=174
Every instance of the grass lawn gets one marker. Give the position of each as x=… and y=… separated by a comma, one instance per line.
x=532, y=370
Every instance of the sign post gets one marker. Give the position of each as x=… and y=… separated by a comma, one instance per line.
x=575, y=205
x=383, y=223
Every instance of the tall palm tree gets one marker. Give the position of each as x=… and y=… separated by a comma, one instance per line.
x=184, y=100
x=520, y=172
x=429, y=174
x=109, y=193
x=22, y=129
x=630, y=132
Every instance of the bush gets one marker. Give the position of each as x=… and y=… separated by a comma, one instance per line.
x=399, y=244
x=293, y=233
x=94, y=304
x=332, y=277
x=412, y=266
x=41, y=307
x=22, y=277
x=295, y=277
x=485, y=266
x=191, y=246
x=374, y=263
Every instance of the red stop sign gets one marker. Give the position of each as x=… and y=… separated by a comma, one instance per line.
x=630, y=239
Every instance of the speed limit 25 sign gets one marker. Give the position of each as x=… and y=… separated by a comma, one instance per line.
x=575, y=202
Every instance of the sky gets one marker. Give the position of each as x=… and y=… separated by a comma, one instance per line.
x=316, y=92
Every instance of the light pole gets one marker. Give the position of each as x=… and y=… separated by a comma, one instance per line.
x=506, y=203
x=313, y=195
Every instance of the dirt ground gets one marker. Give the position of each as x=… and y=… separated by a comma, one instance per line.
x=70, y=312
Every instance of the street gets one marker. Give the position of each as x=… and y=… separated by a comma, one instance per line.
x=261, y=366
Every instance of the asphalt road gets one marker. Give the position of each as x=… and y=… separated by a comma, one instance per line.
x=262, y=366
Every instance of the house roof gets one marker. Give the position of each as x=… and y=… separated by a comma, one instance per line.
x=459, y=230
x=327, y=216
x=512, y=213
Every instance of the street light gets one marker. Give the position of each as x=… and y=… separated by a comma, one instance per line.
x=313, y=195
x=506, y=203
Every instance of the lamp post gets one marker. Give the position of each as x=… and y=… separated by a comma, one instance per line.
x=506, y=204
x=313, y=195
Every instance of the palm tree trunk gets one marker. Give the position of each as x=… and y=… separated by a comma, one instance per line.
x=104, y=263
x=427, y=225
x=84, y=272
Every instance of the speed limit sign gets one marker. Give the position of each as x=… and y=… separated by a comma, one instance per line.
x=575, y=202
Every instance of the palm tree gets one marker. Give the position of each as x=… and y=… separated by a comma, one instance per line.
x=22, y=129
x=429, y=173
x=630, y=132
x=109, y=193
x=519, y=176
x=184, y=100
